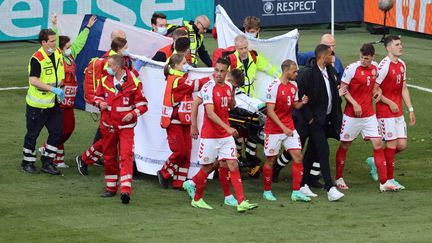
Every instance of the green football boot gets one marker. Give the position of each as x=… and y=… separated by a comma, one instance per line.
x=200, y=204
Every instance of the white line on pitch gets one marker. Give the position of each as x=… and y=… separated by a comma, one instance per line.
x=13, y=88
x=419, y=88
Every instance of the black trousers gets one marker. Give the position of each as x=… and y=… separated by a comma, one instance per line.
x=317, y=148
x=36, y=119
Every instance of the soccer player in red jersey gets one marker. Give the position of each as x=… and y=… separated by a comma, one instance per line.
x=389, y=112
x=359, y=80
x=217, y=139
x=282, y=97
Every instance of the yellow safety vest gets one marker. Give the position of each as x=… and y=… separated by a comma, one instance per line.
x=195, y=41
x=261, y=64
x=41, y=98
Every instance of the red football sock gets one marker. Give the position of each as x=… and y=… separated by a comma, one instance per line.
x=224, y=181
x=390, y=159
x=297, y=174
x=380, y=163
x=267, y=177
x=340, y=161
x=237, y=184
x=200, y=180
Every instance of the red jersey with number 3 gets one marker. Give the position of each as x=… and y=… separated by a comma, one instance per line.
x=391, y=78
x=360, y=81
x=220, y=97
x=283, y=97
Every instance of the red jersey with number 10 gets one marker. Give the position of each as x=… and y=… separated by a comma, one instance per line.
x=391, y=78
x=283, y=97
x=220, y=97
x=360, y=81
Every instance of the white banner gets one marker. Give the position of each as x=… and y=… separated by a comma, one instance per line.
x=151, y=144
x=276, y=49
x=140, y=41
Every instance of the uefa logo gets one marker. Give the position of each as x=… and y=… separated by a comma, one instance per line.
x=268, y=7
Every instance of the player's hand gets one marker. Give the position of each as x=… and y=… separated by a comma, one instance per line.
x=54, y=19
x=357, y=110
x=103, y=105
x=91, y=21
x=128, y=117
x=377, y=94
x=393, y=107
x=304, y=99
x=232, y=132
x=287, y=131
x=194, y=132
x=412, y=118
x=343, y=90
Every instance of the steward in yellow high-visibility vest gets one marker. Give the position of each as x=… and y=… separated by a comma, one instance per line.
x=46, y=74
x=250, y=61
x=195, y=30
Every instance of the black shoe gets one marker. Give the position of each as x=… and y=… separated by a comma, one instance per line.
x=29, y=168
x=242, y=162
x=125, y=197
x=315, y=184
x=81, y=166
x=99, y=162
x=108, y=194
x=162, y=181
x=252, y=160
x=276, y=172
x=49, y=168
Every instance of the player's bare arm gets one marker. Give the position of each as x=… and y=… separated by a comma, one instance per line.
x=299, y=104
x=407, y=100
x=393, y=106
x=377, y=92
x=350, y=99
x=194, y=113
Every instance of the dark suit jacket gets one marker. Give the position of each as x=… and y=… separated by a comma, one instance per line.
x=311, y=83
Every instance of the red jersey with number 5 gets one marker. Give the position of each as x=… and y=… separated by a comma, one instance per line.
x=360, y=81
x=220, y=97
x=283, y=97
x=391, y=78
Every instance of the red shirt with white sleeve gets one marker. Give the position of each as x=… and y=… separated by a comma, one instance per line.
x=283, y=97
x=220, y=96
x=360, y=81
x=391, y=78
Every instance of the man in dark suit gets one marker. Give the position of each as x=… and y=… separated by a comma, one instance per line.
x=323, y=114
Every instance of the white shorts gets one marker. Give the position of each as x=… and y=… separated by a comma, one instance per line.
x=273, y=142
x=352, y=126
x=393, y=128
x=220, y=148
